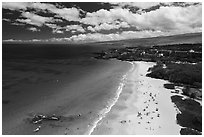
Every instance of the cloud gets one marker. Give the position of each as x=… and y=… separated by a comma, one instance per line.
x=15, y=5
x=106, y=26
x=17, y=24
x=92, y=37
x=70, y=14
x=142, y=5
x=73, y=31
x=33, y=29
x=90, y=28
x=162, y=19
x=7, y=20
x=12, y=40
x=78, y=28
x=100, y=16
x=36, y=40
x=26, y=5
x=167, y=19
x=150, y=5
x=55, y=28
x=34, y=19
x=8, y=40
x=42, y=6
x=57, y=31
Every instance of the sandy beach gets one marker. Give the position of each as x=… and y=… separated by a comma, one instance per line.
x=144, y=107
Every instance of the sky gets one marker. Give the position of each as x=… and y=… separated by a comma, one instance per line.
x=83, y=22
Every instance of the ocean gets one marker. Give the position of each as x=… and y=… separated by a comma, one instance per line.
x=65, y=80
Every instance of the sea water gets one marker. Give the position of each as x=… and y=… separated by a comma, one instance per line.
x=28, y=67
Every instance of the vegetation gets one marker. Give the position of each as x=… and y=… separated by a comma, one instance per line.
x=191, y=113
x=177, y=63
x=187, y=74
x=169, y=86
x=182, y=53
x=189, y=131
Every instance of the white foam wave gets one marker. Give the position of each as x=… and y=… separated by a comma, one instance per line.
x=103, y=112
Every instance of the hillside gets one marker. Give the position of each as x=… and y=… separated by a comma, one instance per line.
x=176, y=39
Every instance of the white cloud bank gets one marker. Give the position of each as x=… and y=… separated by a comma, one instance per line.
x=112, y=36
x=166, y=20
x=163, y=19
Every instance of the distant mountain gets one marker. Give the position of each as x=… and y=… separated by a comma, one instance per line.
x=162, y=40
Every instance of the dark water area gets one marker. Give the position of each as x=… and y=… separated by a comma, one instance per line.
x=55, y=79
x=37, y=65
x=24, y=62
x=48, y=51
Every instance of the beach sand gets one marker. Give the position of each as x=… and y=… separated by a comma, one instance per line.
x=62, y=87
x=144, y=107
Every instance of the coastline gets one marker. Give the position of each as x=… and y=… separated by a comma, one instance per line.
x=66, y=97
x=116, y=99
x=144, y=107
x=106, y=110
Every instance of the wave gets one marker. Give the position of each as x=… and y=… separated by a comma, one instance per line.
x=111, y=103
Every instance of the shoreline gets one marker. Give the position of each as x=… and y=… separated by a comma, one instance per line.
x=63, y=97
x=127, y=115
x=115, y=99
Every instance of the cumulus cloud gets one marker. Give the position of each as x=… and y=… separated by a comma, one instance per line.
x=100, y=16
x=169, y=19
x=70, y=14
x=34, y=19
x=73, y=31
x=15, y=5
x=106, y=26
x=55, y=28
x=41, y=6
x=78, y=28
x=57, y=31
x=163, y=19
x=33, y=29
x=90, y=28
